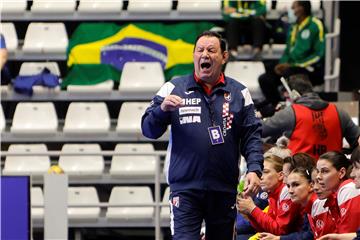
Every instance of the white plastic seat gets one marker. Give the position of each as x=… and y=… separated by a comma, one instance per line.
x=285, y=5
x=275, y=48
x=26, y=165
x=51, y=6
x=141, y=77
x=86, y=117
x=165, y=211
x=247, y=73
x=105, y=86
x=33, y=68
x=13, y=6
x=37, y=198
x=130, y=195
x=11, y=39
x=315, y=5
x=100, y=6
x=82, y=165
x=34, y=118
x=131, y=165
x=129, y=120
x=2, y=119
x=149, y=6
x=83, y=196
x=205, y=6
x=45, y=37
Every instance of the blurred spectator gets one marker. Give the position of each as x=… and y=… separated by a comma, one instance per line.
x=304, y=53
x=313, y=125
x=3, y=52
x=5, y=73
x=245, y=18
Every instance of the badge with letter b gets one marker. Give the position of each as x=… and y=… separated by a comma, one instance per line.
x=216, y=136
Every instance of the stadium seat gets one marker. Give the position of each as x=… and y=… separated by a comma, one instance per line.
x=129, y=120
x=51, y=6
x=205, y=6
x=141, y=77
x=86, y=117
x=37, y=198
x=105, y=86
x=11, y=39
x=2, y=119
x=277, y=49
x=82, y=165
x=34, y=118
x=130, y=165
x=149, y=6
x=165, y=211
x=285, y=5
x=247, y=73
x=33, y=68
x=100, y=6
x=351, y=107
x=26, y=165
x=130, y=195
x=45, y=37
x=13, y=6
x=83, y=196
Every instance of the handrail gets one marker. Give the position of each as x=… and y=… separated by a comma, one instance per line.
x=331, y=62
x=157, y=202
x=98, y=153
x=107, y=205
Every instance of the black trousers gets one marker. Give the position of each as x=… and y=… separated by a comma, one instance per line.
x=269, y=82
x=190, y=207
x=241, y=31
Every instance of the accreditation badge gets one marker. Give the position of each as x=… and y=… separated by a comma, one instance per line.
x=216, y=136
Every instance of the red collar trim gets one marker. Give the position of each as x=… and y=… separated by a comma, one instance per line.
x=221, y=80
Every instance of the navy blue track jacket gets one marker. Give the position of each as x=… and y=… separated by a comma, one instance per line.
x=192, y=161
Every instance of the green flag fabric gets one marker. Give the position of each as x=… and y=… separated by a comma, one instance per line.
x=97, y=50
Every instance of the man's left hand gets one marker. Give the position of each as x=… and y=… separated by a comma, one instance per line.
x=252, y=184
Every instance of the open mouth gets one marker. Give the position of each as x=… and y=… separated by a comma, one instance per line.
x=205, y=65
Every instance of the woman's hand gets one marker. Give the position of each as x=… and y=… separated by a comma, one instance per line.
x=245, y=204
x=268, y=236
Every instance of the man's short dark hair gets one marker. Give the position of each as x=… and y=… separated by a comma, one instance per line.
x=223, y=44
x=307, y=7
x=300, y=83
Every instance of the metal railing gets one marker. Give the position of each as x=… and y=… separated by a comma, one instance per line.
x=332, y=61
x=157, y=203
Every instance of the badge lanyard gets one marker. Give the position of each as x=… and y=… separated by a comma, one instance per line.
x=215, y=133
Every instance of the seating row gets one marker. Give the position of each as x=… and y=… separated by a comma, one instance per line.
x=110, y=6
x=89, y=196
x=39, y=118
x=83, y=164
x=134, y=6
x=135, y=76
x=143, y=77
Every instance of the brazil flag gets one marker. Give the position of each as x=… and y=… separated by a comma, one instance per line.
x=106, y=47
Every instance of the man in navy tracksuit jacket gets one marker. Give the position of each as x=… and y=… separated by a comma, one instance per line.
x=212, y=121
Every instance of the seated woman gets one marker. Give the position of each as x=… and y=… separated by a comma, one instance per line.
x=283, y=215
x=344, y=202
x=300, y=185
x=355, y=159
x=243, y=227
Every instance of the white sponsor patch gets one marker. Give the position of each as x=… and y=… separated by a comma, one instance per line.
x=189, y=110
x=191, y=101
x=190, y=119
